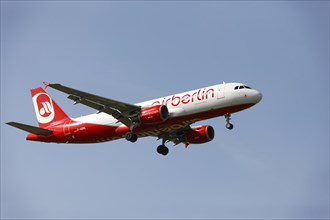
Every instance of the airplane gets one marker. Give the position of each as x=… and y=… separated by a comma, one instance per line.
x=168, y=118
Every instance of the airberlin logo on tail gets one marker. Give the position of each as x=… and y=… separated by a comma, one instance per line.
x=44, y=108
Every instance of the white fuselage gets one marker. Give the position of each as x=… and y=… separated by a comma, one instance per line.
x=191, y=102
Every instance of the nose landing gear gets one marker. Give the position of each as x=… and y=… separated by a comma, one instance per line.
x=228, y=124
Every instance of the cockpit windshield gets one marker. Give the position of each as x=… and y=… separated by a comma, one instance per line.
x=242, y=87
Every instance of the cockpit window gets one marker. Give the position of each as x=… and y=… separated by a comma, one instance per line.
x=242, y=87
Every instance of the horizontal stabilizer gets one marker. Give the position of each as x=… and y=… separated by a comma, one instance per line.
x=29, y=128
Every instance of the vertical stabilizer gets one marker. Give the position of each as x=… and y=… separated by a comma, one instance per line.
x=47, y=111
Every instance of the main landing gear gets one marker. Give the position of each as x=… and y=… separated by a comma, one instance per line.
x=130, y=136
x=228, y=124
x=162, y=149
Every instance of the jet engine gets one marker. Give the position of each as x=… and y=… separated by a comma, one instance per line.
x=154, y=114
x=200, y=134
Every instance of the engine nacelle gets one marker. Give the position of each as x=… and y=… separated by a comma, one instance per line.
x=200, y=134
x=154, y=114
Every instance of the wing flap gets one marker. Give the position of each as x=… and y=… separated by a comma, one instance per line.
x=29, y=128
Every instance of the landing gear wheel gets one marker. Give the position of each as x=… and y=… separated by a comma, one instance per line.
x=229, y=126
x=162, y=149
x=131, y=137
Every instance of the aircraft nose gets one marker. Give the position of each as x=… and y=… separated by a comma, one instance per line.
x=257, y=96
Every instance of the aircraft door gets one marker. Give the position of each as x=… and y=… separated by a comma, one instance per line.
x=221, y=91
x=66, y=128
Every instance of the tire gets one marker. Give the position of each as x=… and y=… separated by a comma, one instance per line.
x=162, y=149
x=131, y=137
x=134, y=138
x=229, y=126
x=165, y=151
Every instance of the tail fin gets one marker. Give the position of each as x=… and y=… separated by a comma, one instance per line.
x=47, y=111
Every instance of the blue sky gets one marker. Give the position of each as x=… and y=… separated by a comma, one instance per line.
x=274, y=164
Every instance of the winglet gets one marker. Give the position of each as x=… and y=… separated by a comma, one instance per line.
x=46, y=84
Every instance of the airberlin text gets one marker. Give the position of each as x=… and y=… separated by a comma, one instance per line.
x=196, y=96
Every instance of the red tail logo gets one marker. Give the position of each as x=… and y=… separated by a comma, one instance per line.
x=47, y=111
x=43, y=105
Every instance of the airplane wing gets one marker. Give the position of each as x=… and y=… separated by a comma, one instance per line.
x=123, y=112
x=176, y=137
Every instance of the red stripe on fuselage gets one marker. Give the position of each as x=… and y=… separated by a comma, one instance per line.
x=77, y=132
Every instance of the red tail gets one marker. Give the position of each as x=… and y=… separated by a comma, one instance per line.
x=47, y=111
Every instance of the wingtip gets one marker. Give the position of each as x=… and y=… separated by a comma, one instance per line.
x=46, y=84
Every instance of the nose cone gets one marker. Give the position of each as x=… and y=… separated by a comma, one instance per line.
x=257, y=96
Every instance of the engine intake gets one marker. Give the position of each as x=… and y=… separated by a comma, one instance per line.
x=154, y=114
x=200, y=134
